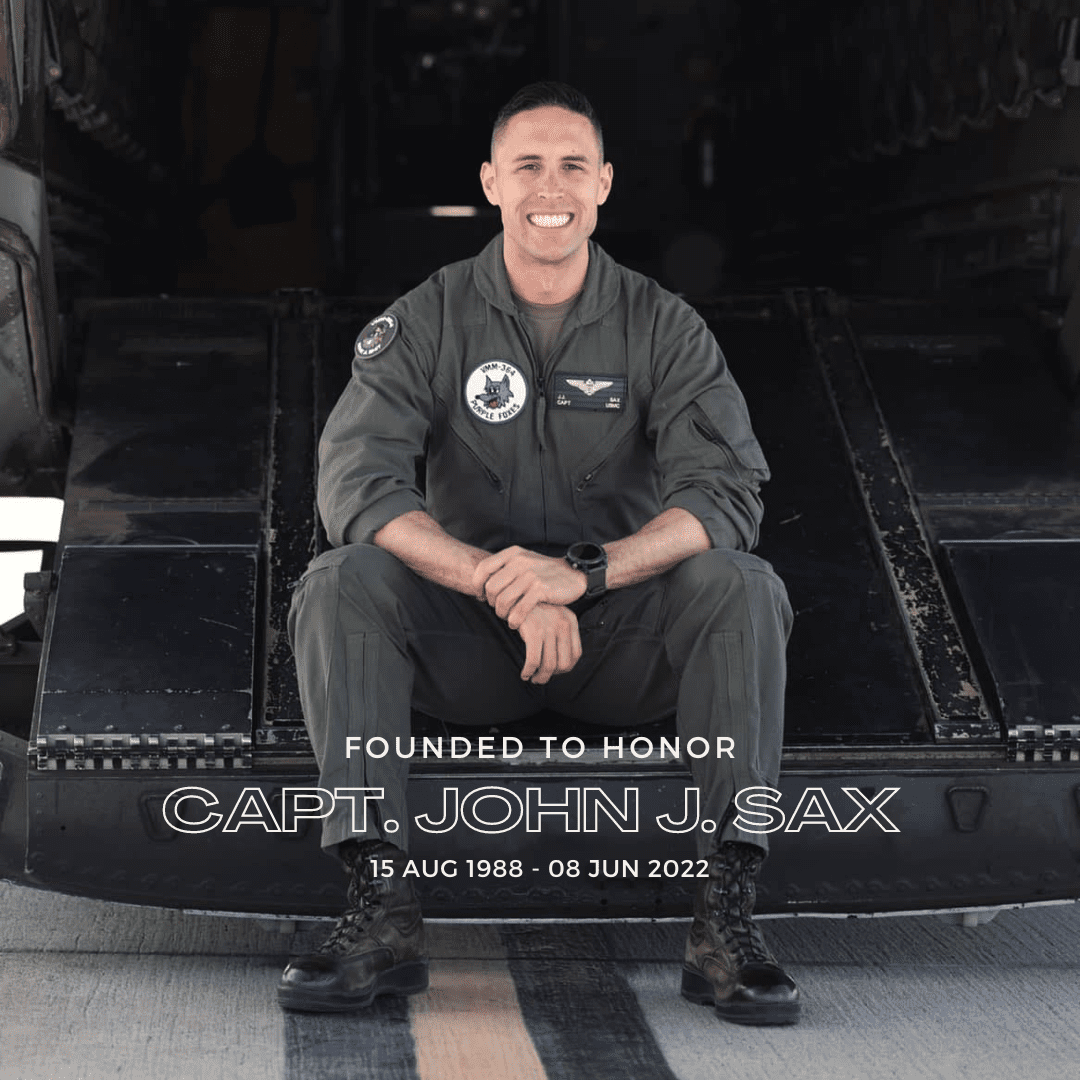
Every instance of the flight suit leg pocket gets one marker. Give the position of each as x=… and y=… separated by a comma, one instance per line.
x=362, y=677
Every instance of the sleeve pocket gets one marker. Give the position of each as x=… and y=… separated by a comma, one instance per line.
x=719, y=419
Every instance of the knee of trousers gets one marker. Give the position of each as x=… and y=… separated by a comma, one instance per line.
x=720, y=582
x=368, y=578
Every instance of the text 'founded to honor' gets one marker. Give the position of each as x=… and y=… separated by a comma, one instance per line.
x=572, y=748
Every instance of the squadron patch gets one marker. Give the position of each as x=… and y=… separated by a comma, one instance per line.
x=496, y=391
x=376, y=336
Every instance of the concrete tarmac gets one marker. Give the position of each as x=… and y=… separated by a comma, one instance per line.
x=91, y=990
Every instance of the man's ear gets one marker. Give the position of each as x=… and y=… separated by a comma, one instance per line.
x=487, y=181
x=606, y=175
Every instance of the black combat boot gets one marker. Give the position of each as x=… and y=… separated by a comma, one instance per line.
x=728, y=965
x=377, y=946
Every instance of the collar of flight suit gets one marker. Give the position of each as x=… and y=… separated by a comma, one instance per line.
x=599, y=294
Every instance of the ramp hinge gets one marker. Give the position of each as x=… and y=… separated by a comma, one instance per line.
x=189, y=750
x=1044, y=742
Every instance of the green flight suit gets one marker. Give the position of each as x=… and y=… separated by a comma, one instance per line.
x=634, y=412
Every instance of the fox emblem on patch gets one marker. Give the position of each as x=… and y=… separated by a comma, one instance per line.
x=495, y=395
x=496, y=391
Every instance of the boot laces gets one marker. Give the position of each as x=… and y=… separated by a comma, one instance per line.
x=747, y=943
x=364, y=900
x=732, y=898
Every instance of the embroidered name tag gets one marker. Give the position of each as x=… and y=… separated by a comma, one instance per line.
x=597, y=393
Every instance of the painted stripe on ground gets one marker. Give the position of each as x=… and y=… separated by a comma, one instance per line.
x=582, y=1014
x=468, y=1026
x=373, y=1044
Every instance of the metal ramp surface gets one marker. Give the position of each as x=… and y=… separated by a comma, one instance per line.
x=190, y=513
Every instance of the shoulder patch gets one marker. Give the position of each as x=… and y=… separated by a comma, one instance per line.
x=376, y=336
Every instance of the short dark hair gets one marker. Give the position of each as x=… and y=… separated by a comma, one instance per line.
x=538, y=94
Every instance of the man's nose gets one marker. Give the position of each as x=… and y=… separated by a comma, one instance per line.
x=551, y=182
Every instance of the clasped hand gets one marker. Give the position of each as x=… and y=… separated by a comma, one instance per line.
x=513, y=581
x=530, y=591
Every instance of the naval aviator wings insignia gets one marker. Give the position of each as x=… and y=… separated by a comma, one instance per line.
x=594, y=393
x=589, y=386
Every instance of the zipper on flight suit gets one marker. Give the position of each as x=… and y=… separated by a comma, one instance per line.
x=541, y=394
x=591, y=473
x=593, y=470
x=541, y=418
x=705, y=429
x=490, y=473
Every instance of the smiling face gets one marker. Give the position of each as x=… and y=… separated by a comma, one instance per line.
x=547, y=180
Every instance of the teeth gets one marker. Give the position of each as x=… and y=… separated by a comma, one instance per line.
x=549, y=221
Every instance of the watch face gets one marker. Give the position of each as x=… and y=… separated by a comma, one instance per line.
x=591, y=559
x=587, y=552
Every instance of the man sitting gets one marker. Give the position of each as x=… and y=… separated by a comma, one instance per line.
x=582, y=538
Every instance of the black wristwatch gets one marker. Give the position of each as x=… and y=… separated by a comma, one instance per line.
x=591, y=560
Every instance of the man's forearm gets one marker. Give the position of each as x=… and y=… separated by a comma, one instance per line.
x=421, y=543
x=657, y=546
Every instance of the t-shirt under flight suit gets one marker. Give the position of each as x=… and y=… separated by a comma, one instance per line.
x=450, y=410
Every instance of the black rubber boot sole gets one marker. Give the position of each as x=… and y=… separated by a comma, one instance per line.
x=698, y=989
x=408, y=978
